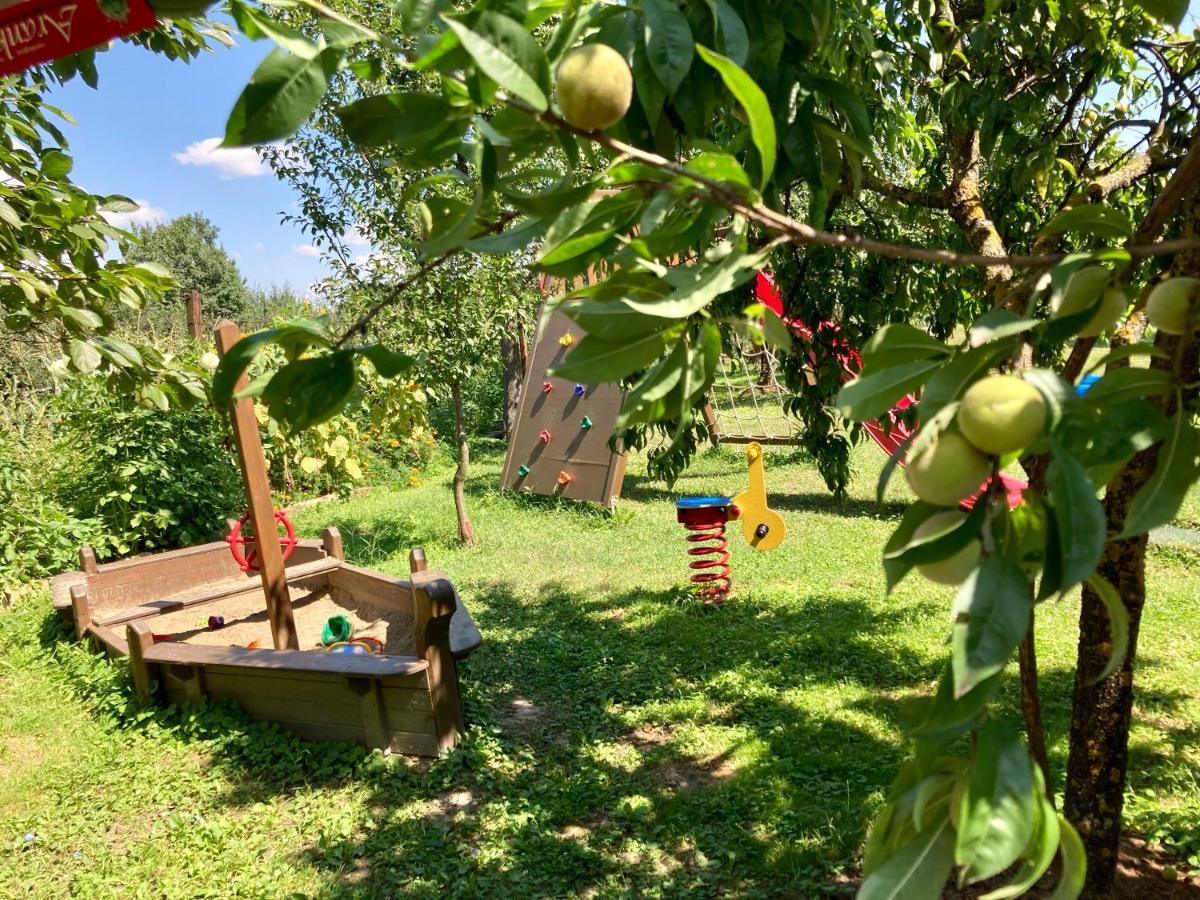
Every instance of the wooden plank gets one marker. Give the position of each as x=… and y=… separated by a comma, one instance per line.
x=87, y=560
x=374, y=588
x=248, y=585
x=195, y=315
x=81, y=609
x=182, y=683
x=329, y=703
x=331, y=541
x=113, y=644
x=286, y=660
x=325, y=688
x=442, y=601
x=262, y=509
x=140, y=639
x=416, y=560
x=396, y=699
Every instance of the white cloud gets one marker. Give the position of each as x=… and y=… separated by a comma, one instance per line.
x=354, y=238
x=237, y=255
x=260, y=247
x=146, y=214
x=306, y=250
x=230, y=162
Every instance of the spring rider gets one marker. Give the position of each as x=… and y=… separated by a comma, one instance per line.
x=705, y=518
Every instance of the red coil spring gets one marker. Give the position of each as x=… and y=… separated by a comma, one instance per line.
x=713, y=577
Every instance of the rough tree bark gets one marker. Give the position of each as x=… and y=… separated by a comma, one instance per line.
x=1102, y=712
x=514, y=375
x=466, y=531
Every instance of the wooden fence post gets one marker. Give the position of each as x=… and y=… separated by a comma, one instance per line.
x=195, y=315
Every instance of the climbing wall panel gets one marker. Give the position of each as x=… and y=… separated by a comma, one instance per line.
x=560, y=446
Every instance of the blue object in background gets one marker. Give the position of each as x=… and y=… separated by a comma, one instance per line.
x=1085, y=385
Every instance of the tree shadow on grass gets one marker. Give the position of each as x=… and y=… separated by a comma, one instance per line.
x=622, y=744
x=650, y=745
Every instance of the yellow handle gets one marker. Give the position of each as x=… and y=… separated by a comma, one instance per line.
x=762, y=527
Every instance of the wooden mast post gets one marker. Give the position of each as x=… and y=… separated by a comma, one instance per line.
x=195, y=315
x=262, y=510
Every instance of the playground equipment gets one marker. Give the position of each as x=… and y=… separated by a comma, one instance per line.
x=705, y=518
x=192, y=621
x=559, y=446
x=889, y=433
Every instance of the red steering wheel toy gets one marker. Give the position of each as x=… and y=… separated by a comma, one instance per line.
x=247, y=558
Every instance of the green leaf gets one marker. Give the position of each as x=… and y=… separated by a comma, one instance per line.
x=998, y=811
x=516, y=238
x=669, y=43
x=939, y=544
x=1124, y=352
x=1118, y=624
x=732, y=39
x=601, y=222
x=1128, y=383
x=82, y=317
x=257, y=25
x=1040, y=853
x=992, y=615
x=998, y=324
x=452, y=232
x=56, y=164
x=388, y=363
x=949, y=382
x=1074, y=862
x=868, y=397
x=500, y=66
x=1160, y=498
x=282, y=93
x=697, y=286
x=294, y=337
x=406, y=119
x=154, y=397
x=948, y=716
x=718, y=166
x=917, y=871
x=83, y=355
x=899, y=343
x=1170, y=11
x=596, y=361
x=310, y=391
x=754, y=102
x=1091, y=219
x=1078, y=519
x=645, y=402
x=9, y=216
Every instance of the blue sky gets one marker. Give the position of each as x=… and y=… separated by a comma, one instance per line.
x=150, y=132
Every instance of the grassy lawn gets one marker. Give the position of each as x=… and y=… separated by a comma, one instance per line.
x=625, y=742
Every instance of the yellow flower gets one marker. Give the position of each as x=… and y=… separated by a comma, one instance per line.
x=392, y=442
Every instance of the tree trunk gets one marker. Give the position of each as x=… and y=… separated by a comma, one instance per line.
x=514, y=376
x=1101, y=712
x=466, y=531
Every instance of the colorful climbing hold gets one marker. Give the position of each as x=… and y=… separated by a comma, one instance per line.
x=544, y=436
x=580, y=390
x=522, y=471
x=567, y=339
x=547, y=387
x=565, y=478
x=585, y=423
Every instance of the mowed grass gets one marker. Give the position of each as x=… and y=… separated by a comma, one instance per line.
x=624, y=741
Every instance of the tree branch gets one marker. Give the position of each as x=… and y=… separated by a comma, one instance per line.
x=926, y=199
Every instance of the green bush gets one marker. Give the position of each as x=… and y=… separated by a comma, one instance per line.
x=152, y=478
x=38, y=535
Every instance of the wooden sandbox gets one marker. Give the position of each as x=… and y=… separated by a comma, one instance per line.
x=154, y=609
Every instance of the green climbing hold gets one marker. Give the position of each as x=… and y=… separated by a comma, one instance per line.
x=337, y=629
x=585, y=423
x=522, y=471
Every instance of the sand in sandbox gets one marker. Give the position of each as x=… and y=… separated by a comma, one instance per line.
x=246, y=621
